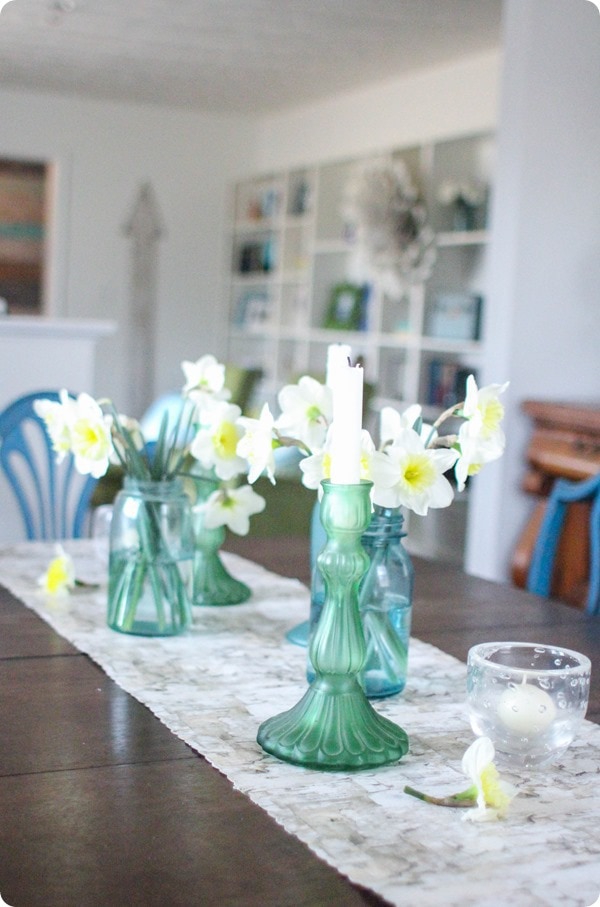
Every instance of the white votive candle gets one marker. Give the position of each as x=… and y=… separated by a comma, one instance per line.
x=526, y=709
x=346, y=428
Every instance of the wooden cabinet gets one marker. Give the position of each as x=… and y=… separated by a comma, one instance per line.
x=565, y=443
x=294, y=247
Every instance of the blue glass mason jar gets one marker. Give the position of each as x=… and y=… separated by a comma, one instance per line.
x=385, y=604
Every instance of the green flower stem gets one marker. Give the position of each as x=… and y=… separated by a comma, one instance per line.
x=120, y=592
x=383, y=639
x=465, y=799
x=83, y=584
x=151, y=545
x=380, y=636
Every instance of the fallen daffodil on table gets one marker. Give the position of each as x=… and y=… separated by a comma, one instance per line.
x=488, y=797
x=59, y=578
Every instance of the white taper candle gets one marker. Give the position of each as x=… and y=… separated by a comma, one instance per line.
x=346, y=429
x=338, y=355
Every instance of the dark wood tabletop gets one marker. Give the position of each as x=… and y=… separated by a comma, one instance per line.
x=101, y=806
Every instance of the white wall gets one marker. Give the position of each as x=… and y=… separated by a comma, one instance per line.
x=442, y=102
x=543, y=323
x=103, y=153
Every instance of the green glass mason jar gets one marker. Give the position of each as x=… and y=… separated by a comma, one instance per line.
x=151, y=552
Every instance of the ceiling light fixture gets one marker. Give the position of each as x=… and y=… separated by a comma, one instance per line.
x=3, y=4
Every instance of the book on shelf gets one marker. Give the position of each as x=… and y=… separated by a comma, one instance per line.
x=256, y=257
x=252, y=309
x=446, y=385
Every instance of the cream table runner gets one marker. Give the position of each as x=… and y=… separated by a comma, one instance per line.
x=213, y=687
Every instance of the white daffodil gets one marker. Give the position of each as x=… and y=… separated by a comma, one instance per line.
x=317, y=467
x=493, y=795
x=232, y=507
x=256, y=445
x=306, y=412
x=91, y=442
x=411, y=475
x=134, y=429
x=58, y=417
x=488, y=797
x=485, y=402
x=204, y=378
x=215, y=443
x=391, y=422
x=476, y=449
x=59, y=577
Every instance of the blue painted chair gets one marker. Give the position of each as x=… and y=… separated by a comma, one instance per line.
x=53, y=497
x=565, y=492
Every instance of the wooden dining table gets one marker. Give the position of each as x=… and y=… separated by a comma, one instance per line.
x=102, y=806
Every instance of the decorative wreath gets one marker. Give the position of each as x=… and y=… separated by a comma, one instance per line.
x=391, y=224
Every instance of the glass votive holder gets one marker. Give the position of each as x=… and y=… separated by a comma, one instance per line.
x=528, y=699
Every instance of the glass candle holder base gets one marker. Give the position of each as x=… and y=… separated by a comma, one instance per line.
x=214, y=586
x=333, y=728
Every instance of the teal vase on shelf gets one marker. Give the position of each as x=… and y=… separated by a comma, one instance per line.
x=212, y=584
x=385, y=604
x=151, y=550
x=334, y=726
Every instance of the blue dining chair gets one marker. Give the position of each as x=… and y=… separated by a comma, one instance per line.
x=565, y=492
x=53, y=497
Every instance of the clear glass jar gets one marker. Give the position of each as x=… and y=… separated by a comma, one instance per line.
x=151, y=552
x=385, y=604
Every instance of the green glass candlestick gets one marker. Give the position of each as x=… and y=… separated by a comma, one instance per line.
x=212, y=584
x=334, y=727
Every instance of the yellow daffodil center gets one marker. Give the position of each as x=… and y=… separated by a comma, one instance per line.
x=225, y=440
x=313, y=413
x=89, y=440
x=492, y=791
x=492, y=413
x=57, y=576
x=419, y=473
x=364, y=466
x=326, y=465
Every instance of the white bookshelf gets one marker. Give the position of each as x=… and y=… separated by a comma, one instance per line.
x=292, y=243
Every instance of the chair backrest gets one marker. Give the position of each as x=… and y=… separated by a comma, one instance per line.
x=53, y=497
x=565, y=492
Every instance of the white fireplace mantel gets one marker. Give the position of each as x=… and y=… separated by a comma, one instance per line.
x=36, y=354
x=48, y=353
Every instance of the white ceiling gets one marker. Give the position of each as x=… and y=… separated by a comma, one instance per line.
x=233, y=55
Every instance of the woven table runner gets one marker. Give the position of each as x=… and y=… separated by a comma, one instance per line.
x=213, y=686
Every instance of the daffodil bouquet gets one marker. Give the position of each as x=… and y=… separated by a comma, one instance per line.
x=152, y=542
x=202, y=442
x=409, y=467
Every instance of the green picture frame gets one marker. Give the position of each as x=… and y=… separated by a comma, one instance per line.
x=345, y=307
